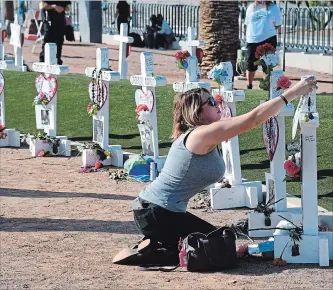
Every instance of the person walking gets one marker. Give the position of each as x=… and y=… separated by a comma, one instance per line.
x=263, y=19
x=123, y=14
x=54, y=26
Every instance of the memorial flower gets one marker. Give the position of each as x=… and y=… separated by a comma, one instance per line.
x=218, y=74
x=264, y=49
x=181, y=59
x=98, y=164
x=291, y=168
x=92, y=109
x=41, y=99
x=218, y=99
x=140, y=108
x=283, y=83
x=3, y=135
x=43, y=153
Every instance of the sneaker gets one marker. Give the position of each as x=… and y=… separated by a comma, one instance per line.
x=249, y=87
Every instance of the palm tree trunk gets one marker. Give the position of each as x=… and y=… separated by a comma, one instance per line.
x=219, y=29
x=9, y=11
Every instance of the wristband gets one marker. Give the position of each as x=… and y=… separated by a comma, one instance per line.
x=284, y=99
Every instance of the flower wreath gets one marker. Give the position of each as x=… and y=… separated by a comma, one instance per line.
x=93, y=107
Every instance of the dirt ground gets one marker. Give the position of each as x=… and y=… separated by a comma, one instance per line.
x=60, y=229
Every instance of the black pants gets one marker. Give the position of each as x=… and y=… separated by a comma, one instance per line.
x=120, y=21
x=165, y=226
x=55, y=35
x=251, y=52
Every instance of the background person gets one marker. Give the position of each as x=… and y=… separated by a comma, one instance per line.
x=262, y=21
x=54, y=26
x=164, y=36
x=123, y=14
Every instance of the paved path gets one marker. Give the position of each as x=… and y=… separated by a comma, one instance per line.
x=78, y=56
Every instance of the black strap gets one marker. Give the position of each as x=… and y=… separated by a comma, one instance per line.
x=158, y=268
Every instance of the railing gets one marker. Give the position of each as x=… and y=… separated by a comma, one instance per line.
x=306, y=28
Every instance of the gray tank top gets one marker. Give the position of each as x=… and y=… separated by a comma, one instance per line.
x=184, y=174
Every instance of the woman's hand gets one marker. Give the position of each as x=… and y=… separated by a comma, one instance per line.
x=303, y=87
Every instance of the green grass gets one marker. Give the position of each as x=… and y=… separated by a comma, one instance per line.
x=74, y=122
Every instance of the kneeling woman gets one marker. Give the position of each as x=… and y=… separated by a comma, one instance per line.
x=194, y=162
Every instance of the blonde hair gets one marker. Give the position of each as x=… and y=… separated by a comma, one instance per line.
x=266, y=3
x=187, y=109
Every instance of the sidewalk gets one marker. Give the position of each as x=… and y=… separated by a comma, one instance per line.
x=78, y=56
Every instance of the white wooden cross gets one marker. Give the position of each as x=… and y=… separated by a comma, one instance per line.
x=50, y=69
x=3, y=28
x=241, y=193
x=46, y=115
x=148, y=81
x=16, y=37
x=191, y=44
x=123, y=40
x=314, y=246
x=274, y=180
x=102, y=117
x=192, y=80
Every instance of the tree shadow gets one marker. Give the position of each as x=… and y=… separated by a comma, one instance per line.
x=112, y=136
x=9, y=192
x=324, y=173
x=68, y=225
x=329, y=194
x=78, y=44
x=139, y=147
x=71, y=56
x=245, y=151
x=260, y=165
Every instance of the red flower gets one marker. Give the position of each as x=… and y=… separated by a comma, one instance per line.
x=2, y=127
x=98, y=164
x=141, y=107
x=264, y=49
x=89, y=108
x=182, y=55
x=41, y=153
x=291, y=167
x=218, y=99
x=284, y=83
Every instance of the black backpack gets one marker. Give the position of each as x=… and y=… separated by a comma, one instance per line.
x=212, y=252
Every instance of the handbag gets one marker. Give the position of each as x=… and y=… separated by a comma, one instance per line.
x=212, y=252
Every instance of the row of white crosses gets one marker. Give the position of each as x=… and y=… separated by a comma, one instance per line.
x=10, y=137
x=123, y=40
x=275, y=184
x=241, y=193
x=192, y=71
x=46, y=115
x=101, y=119
x=148, y=81
x=314, y=247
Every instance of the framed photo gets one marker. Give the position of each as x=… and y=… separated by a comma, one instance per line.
x=146, y=134
x=98, y=130
x=44, y=117
x=270, y=187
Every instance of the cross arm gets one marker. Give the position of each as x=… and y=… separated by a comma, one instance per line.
x=50, y=69
x=155, y=81
x=107, y=75
x=189, y=43
x=127, y=39
x=181, y=87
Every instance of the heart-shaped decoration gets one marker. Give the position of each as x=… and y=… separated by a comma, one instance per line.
x=99, y=92
x=46, y=85
x=271, y=136
x=2, y=83
x=145, y=98
x=226, y=112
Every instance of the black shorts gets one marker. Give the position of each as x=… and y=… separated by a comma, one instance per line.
x=251, y=52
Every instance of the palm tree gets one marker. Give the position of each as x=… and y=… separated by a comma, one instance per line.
x=9, y=15
x=219, y=29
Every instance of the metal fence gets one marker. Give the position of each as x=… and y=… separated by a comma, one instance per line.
x=306, y=28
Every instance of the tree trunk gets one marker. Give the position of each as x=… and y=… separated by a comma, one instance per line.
x=219, y=29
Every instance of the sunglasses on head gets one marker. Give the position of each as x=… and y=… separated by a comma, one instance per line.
x=210, y=102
